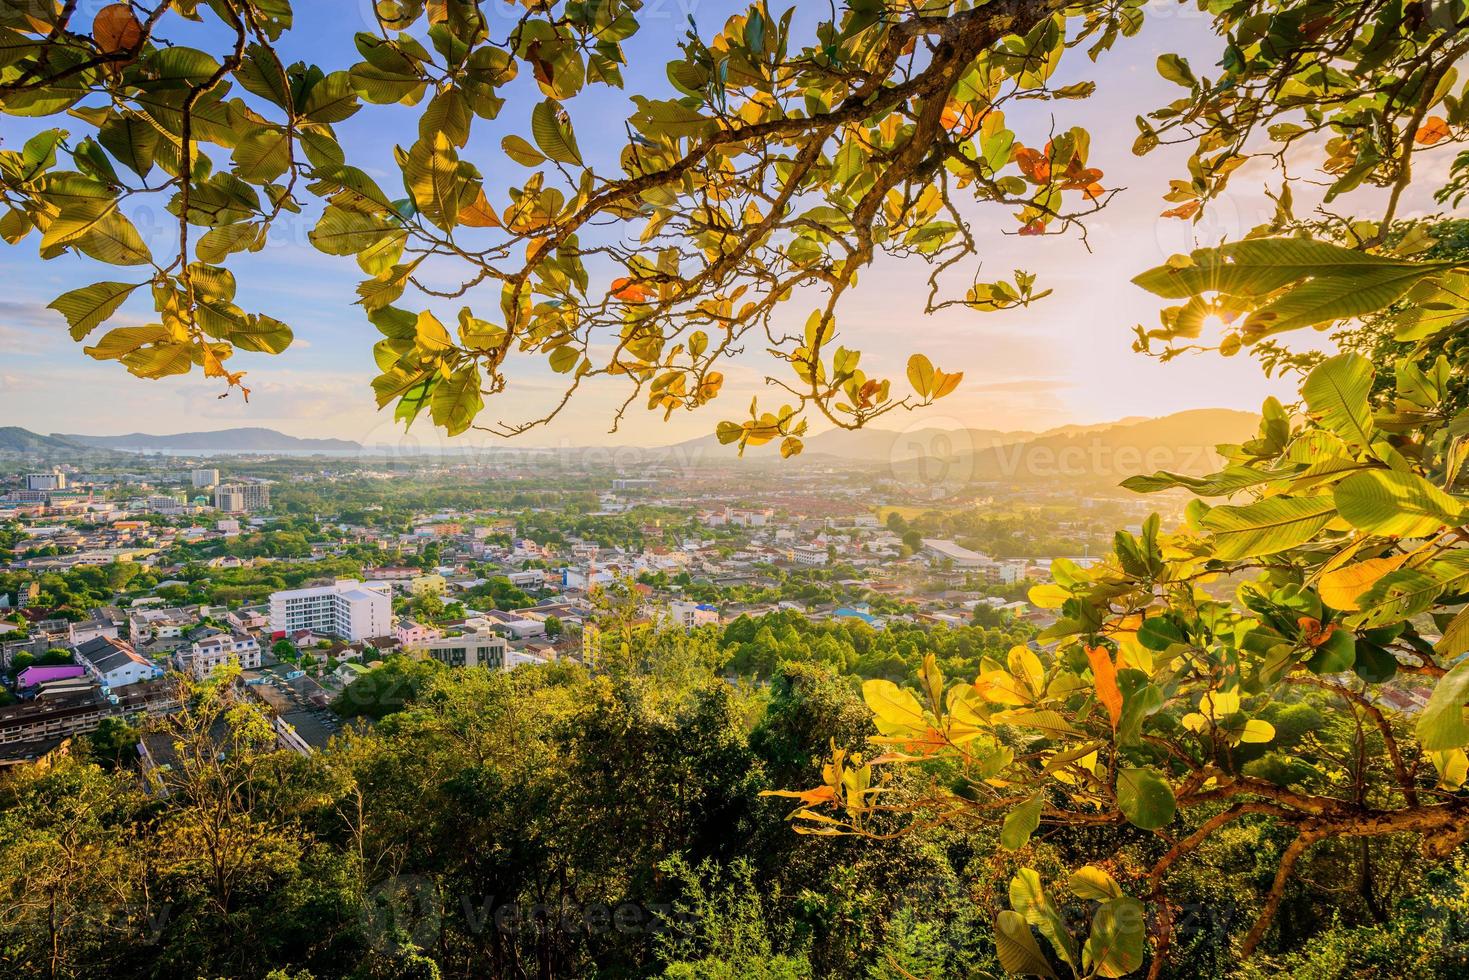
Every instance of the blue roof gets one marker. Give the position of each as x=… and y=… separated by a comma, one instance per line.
x=846, y=612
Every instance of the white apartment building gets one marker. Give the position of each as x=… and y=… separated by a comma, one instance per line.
x=811, y=555
x=204, y=478
x=690, y=615
x=217, y=648
x=471, y=650
x=240, y=498
x=348, y=609
x=55, y=480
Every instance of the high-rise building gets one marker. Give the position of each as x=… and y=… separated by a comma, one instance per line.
x=348, y=609
x=55, y=480
x=240, y=498
x=204, y=478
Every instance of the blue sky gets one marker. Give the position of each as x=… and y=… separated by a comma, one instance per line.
x=1064, y=360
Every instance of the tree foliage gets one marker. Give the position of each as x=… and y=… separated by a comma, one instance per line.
x=1328, y=555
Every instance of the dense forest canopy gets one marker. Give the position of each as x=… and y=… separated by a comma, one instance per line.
x=1260, y=711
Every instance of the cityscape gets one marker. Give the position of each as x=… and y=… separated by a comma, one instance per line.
x=730, y=490
x=139, y=566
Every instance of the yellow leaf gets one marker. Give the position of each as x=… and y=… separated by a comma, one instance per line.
x=897, y=710
x=1341, y=588
x=920, y=374
x=1026, y=667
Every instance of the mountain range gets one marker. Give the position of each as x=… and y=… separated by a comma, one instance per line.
x=251, y=440
x=14, y=439
x=1181, y=442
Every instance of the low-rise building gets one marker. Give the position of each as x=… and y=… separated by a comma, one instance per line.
x=211, y=648
x=115, y=664
x=413, y=634
x=470, y=650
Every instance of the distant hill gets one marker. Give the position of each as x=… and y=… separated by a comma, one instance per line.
x=887, y=445
x=1183, y=442
x=881, y=445
x=248, y=440
x=14, y=439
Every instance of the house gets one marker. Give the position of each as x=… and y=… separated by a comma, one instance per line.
x=413, y=634
x=90, y=630
x=163, y=624
x=212, y=648
x=114, y=663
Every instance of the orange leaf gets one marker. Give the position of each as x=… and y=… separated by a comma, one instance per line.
x=478, y=213
x=1104, y=674
x=628, y=291
x=115, y=29
x=1432, y=130
x=1313, y=633
x=1185, y=210
x=961, y=118
x=1034, y=165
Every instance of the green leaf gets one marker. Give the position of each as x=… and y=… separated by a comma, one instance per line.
x=263, y=155
x=87, y=308
x=1442, y=725
x=1020, y=823
x=1396, y=504
x=447, y=113
x=124, y=340
x=517, y=149
x=1176, y=70
x=1029, y=898
x=1015, y=947
x=261, y=333
x=132, y=140
x=1257, y=267
x=332, y=99
x=1114, y=947
x=77, y=218
x=1267, y=527
x=347, y=232
x=440, y=183
x=1337, y=654
x=1336, y=393
x=553, y=135
x=1397, y=596
x=1223, y=484
x=1455, y=639
x=1145, y=798
x=1091, y=882
x=457, y=400
x=1327, y=299
x=179, y=66
x=115, y=241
